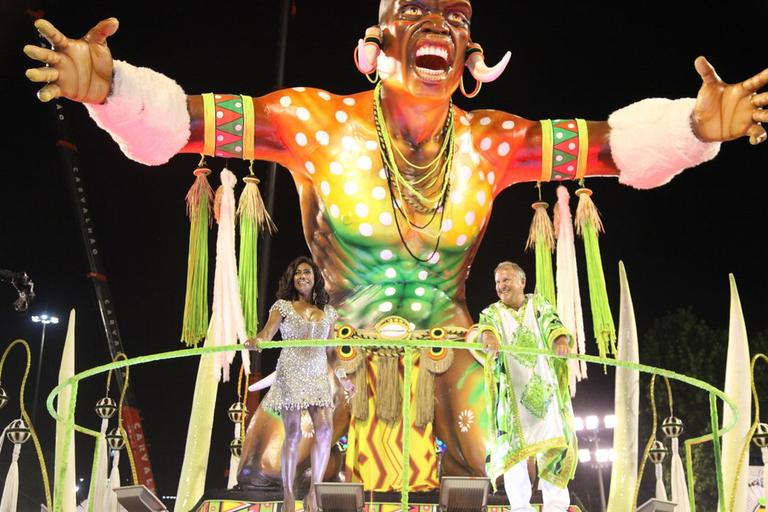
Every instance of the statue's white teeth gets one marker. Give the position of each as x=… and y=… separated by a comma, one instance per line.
x=433, y=50
x=432, y=59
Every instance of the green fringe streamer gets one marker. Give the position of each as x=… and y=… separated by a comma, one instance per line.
x=545, y=278
x=587, y=225
x=248, y=271
x=253, y=218
x=248, y=264
x=199, y=199
x=541, y=238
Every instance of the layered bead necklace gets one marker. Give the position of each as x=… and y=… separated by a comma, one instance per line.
x=434, y=171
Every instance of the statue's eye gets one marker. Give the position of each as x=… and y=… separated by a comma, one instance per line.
x=457, y=18
x=412, y=10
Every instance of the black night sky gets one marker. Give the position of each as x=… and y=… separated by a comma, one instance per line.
x=582, y=59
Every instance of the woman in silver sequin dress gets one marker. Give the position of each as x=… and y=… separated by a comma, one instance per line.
x=301, y=377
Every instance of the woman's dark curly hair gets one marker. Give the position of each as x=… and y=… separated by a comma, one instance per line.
x=287, y=291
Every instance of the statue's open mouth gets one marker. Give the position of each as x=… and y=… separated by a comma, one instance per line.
x=432, y=60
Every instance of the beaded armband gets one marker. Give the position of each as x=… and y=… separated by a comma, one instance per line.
x=229, y=126
x=564, y=149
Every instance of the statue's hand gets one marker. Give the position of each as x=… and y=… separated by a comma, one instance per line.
x=729, y=111
x=78, y=69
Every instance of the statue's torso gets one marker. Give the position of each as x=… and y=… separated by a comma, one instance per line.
x=349, y=220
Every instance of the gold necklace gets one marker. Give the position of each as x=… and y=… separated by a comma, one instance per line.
x=391, y=168
x=388, y=156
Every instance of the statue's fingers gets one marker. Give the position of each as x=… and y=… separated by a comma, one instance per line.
x=42, y=54
x=756, y=134
x=102, y=30
x=705, y=70
x=43, y=74
x=49, y=92
x=760, y=100
x=51, y=33
x=757, y=82
x=760, y=116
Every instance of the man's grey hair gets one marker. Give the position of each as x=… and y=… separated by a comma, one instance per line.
x=510, y=265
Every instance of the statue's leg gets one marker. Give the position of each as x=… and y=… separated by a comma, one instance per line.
x=260, y=459
x=461, y=420
x=290, y=453
x=322, y=421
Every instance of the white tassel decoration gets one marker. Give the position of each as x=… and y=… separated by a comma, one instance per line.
x=661, y=492
x=102, y=467
x=113, y=483
x=678, y=483
x=227, y=324
x=11, y=487
x=234, y=462
x=567, y=280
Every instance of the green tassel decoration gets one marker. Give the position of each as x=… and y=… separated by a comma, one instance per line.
x=541, y=238
x=253, y=218
x=588, y=225
x=199, y=199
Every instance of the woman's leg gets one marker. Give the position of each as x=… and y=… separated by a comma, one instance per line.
x=290, y=452
x=322, y=421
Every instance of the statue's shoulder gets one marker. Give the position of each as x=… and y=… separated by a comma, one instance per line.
x=323, y=103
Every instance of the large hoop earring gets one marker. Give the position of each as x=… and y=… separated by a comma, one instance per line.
x=367, y=75
x=475, y=91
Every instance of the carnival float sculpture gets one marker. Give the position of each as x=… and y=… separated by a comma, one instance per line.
x=396, y=186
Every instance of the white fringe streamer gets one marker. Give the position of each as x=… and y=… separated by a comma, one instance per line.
x=567, y=279
x=234, y=462
x=113, y=483
x=661, y=492
x=678, y=483
x=11, y=487
x=227, y=324
x=99, y=497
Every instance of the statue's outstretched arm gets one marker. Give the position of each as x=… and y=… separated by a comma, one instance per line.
x=645, y=144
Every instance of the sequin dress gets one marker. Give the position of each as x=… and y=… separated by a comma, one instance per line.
x=301, y=376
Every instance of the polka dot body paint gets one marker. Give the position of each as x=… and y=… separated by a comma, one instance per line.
x=330, y=144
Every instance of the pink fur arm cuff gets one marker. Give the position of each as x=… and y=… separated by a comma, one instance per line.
x=652, y=141
x=146, y=113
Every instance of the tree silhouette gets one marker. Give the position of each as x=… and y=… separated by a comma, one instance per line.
x=682, y=342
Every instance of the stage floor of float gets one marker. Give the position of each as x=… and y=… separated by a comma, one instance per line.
x=270, y=501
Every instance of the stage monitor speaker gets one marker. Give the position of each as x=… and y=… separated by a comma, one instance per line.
x=137, y=498
x=339, y=497
x=464, y=494
x=654, y=505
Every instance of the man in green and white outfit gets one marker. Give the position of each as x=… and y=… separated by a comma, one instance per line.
x=528, y=399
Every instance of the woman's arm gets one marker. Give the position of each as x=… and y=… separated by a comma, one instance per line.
x=268, y=331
